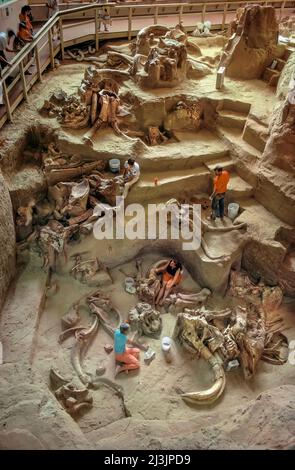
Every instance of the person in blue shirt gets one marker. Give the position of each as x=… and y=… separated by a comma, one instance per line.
x=129, y=357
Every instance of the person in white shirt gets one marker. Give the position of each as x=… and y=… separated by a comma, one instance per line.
x=53, y=7
x=131, y=175
x=5, y=39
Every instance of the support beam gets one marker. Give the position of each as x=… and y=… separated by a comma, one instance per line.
x=282, y=10
x=51, y=53
x=7, y=102
x=204, y=12
x=129, y=23
x=180, y=13
x=224, y=16
x=38, y=65
x=96, y=30
x=156, y=15
x=23, y=79
x=61, y=37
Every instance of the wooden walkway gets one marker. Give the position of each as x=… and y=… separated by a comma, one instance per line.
x=76, y=32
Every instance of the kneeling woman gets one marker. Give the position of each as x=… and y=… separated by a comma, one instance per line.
x=171, y=275
x=129, y=357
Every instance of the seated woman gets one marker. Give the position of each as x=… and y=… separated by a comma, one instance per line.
x=171, y=275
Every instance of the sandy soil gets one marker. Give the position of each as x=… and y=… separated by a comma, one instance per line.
x=153, y=392
x=152, y=395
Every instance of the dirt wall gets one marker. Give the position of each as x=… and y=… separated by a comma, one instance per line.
x=7, y=240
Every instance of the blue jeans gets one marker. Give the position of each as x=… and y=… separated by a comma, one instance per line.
x=218, y=205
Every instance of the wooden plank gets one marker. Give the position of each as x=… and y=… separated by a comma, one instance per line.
x=180, y=13
x=204, y=12
x=23, y=79
x=7, y=103
x=129, y=23
x=282, y=9
x=224, y=16
x=37, y=55
x=51, y=53
x=96, y=22
x=156, y=15
x=61, y=37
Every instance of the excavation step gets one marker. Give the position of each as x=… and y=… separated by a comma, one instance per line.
x=265, y=223
x=225, y=162
x=238, y=188
x=170, y=184
x=234, y=105
x=234, y=138
x=229, y=118
x=256, y=135
x=194, y=149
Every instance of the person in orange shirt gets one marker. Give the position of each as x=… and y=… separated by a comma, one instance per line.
x=23, y=33
x=25, y=16
x=221, y=180
x=171, y=276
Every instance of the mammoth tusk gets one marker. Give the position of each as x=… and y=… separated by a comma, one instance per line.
x=71, y=54
x=206, y=397
x=91, y=50
x=80, y=56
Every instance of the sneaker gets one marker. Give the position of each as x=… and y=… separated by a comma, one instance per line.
x=120, y=369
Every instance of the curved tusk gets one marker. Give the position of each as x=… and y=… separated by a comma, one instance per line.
x=206, y=397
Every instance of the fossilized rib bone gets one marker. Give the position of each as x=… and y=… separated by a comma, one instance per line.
x=83, y=338
x=56, y=379
x=101, y=314
x=69, y=332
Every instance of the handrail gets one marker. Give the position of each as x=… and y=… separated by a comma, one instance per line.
x=59, y=16
x=41, y=33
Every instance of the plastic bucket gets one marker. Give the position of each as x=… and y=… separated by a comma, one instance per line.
x=130, y=285
x=114, y=165
x=233, y=210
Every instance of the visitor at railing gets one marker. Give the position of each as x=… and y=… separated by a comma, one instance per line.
x=23, y=33
x=25, y=16
x=53, y=7
x=104, y=16
x=25, y=36
x=5, y=40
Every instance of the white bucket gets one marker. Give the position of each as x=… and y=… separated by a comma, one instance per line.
x=114, y=165
x=130, y=285
x=233, y=210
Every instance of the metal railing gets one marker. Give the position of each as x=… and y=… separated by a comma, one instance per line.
x=44, y=44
